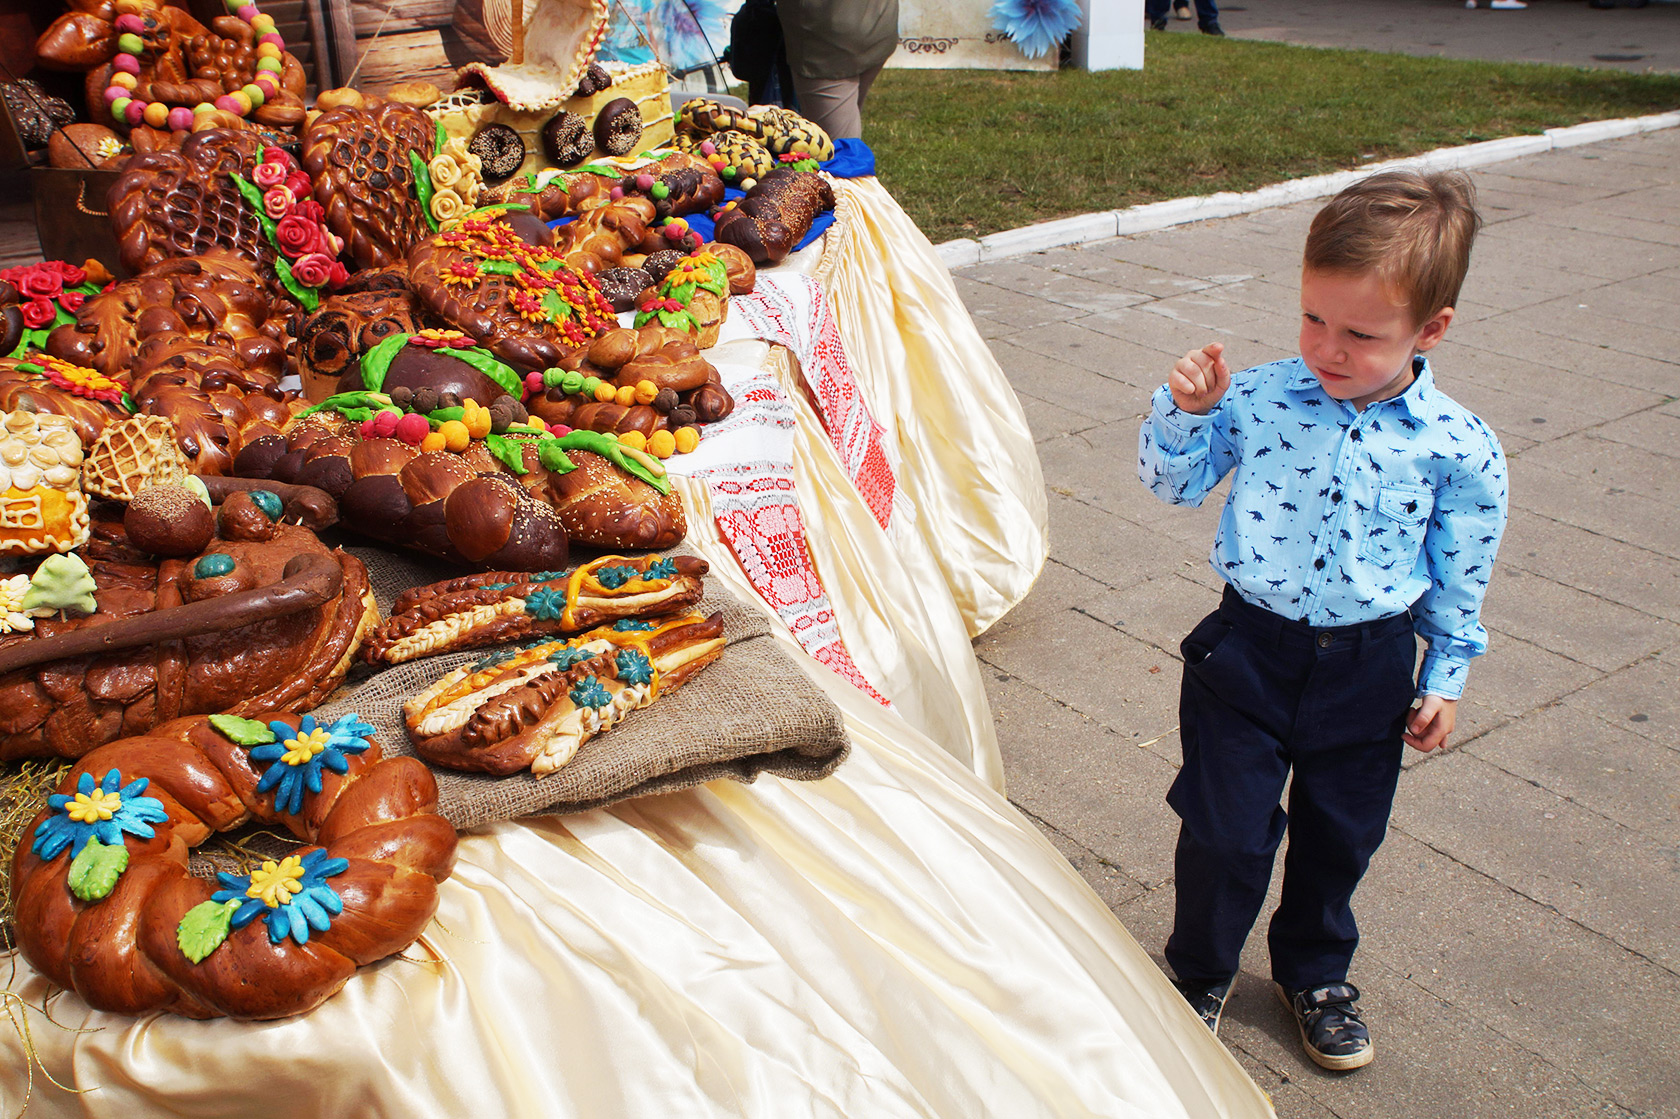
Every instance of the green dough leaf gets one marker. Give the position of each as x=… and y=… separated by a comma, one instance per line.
x=308, y=298
x=442, y=139
x=377, y=360
x=615, y=452
x=204, y=928
x=196, y=485
x=499, y=267
x=554, y=457
x=61, y=583
x=510, y=451
x=485, y=362
x=423, y=187
x=242, y=732
x=94, y=872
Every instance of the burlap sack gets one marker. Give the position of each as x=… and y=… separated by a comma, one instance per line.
x=751, y=711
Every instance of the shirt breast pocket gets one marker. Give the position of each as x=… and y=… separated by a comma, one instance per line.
x=1394, y=533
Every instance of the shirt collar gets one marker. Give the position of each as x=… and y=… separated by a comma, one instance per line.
x=1416, y=398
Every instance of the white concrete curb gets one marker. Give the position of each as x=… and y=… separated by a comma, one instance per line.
x=1178, y=211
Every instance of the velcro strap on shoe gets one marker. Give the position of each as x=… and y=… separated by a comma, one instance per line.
x=1319, y=997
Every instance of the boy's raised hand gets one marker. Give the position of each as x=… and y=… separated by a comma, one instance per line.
x=1199, y=379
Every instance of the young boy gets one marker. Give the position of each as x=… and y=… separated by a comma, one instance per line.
x=1366, y=507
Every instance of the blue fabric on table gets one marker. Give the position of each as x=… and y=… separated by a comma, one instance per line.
x=853, y=159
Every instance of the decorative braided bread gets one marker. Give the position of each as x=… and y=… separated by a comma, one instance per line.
x=775, y=215
x=532, y=707
x=498, y=607
x=359, y=159
x=105, y=905
x=183, y=204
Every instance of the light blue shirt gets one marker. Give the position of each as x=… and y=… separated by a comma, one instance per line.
x=1338, y=516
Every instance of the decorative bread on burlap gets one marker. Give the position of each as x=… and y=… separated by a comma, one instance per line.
x=183, y=204
x=359, y=160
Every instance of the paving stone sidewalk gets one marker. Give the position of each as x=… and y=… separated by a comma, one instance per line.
x=1521, y=951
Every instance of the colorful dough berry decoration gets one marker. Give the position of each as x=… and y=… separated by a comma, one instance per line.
x=106, y=907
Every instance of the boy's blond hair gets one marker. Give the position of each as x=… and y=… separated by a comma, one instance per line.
x=1413, y=231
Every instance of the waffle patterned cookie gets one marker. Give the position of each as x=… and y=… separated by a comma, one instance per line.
x=360, y=162
x=520, y=301
x=183, y=204
x=131, y=455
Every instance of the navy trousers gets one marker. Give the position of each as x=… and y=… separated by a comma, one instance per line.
x=1264, y=695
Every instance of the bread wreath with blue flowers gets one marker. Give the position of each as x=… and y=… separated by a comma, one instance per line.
x=106, y=906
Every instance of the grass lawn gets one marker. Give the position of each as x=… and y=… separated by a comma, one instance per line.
x=970, y=152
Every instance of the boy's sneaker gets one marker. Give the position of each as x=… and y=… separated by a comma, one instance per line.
x=1206, y=999
x=1182, y=11
x=1332, y=1032
x=1212, y=28
x=1159, y=24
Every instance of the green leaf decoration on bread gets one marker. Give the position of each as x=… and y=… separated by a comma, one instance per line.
x=204, y=928
x=242, y=732
x=423, y=186
x=95, y=870
x=62, y=582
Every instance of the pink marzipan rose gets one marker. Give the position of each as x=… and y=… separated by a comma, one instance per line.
x=269, y=175
x=313, y=270
x=277, y=202
x=298, y=183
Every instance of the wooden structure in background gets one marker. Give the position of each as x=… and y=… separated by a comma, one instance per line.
x=404, y=40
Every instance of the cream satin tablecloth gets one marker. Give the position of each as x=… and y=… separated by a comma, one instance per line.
x=895, y=940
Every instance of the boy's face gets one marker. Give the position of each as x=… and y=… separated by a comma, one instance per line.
x=1357, y=339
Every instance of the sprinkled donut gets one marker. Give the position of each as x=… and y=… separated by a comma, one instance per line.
x=618, y=126
x=500, y=149
x=622, y=286
x=566, y=139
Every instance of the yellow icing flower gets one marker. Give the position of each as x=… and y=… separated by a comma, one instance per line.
x=13, y=618
x=305, y=746
x=90, y=808
x=274, y=884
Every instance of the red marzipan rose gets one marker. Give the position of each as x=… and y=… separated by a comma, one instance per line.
x=313, y=270
x=37, y=313
x=298, y=236
x=68, y=272
x=40, y=282
x=71, y=301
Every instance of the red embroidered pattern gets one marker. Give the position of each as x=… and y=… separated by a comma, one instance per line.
x=757, y=511
x=802, y=321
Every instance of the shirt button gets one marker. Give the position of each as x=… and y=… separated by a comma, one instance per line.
x=1325, y=640
x=1336, y=497
x=1318, y=564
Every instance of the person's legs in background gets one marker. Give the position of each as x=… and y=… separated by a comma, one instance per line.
x=835, y=104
